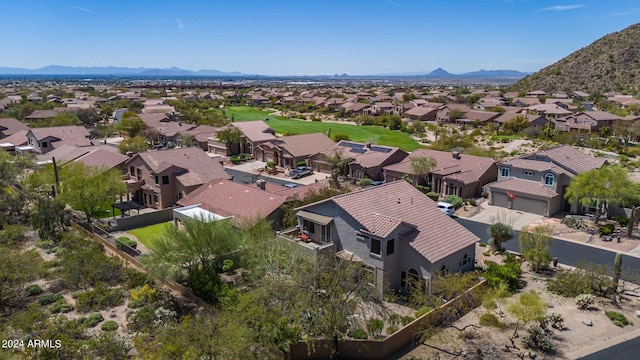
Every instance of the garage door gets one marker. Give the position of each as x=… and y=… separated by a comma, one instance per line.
x=529, y=205
x=520, y=203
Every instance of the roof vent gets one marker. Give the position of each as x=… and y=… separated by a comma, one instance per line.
x=456, y=154
x=261, y=184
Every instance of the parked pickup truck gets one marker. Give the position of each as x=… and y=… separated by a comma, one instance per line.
x=300, y=171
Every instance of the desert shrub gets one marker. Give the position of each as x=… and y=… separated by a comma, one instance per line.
x=61, y=306
x=484, y=194
x=585, y=279
x=34, y=289
x=606, y=229
x=337, y=137
x=433, y=196
x=109, y=325
x=454, y=200
x=235, y=159
x=93, y=319
x=554, y=319
x=407, y=319
x=98, y=299
x=136, y=279
x=574, y=223
x=271, y=164
x=359, y=334
x=623, y=221
x=584, y=301
x=618, y=319
x=391, y=330
x=509, y=273
x=301, y=163
x=471, y=201
x=49, y=299
x=488, y=319
x=570, y=283
x=365, y=182
x=423, y=310
x=375, y=327
x=423, y=189
x=227, y=265
x=537, y=339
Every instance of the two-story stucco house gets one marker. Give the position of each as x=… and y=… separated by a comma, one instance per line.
x=158, y=179
x=361, y=159
x=395, y=230
x=453, y=174
x=536, y=183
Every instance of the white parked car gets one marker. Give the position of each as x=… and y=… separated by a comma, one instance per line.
x=446, y=208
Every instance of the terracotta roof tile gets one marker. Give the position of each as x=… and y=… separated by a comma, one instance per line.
x=523, y=186
x=436, y=235
x=226, y=198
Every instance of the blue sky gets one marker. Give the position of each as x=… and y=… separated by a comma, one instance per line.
x=306, y=37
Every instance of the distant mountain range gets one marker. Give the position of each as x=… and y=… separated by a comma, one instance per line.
x=113, y=71
x=441, y=73
x=611, y=63
x=438, y=73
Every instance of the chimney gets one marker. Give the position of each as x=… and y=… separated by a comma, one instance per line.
x=456, y=155
x=261, y=184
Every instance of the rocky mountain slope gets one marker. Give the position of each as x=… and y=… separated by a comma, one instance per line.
x=611, y=63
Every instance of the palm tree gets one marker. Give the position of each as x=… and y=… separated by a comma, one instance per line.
x=500, y=233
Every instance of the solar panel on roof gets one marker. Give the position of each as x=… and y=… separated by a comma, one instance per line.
x=359, y=151
x=380, y=149
x=352, y=145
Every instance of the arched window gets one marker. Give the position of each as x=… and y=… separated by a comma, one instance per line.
x=549, y=179
x=465, y=260
x=444, y=270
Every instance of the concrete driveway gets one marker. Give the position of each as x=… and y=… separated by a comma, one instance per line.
x=517, y=219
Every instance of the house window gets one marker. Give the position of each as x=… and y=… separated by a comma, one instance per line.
x=528, y=173
x=375, y=247
x=391, y=246
x=155, y=197
x=156, y=179
x=465, y=260
x=549, y=179
x=308, y=226
x=326, y=233
x=132, y=171
x=369, y=274
x=45, y=144
x=139, y=174
x=504, y=172
x=165, y=179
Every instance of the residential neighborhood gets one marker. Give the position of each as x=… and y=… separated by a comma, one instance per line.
x=392, y=204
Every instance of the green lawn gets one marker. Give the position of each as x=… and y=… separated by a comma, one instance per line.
x=373, y=134
x=148, y=234
x=102, y=213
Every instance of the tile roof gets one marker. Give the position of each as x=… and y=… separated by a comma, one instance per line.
x=255, y=131
x=72, y=135
x=65, y=153
x=435, y=235
x=226, y=198
x=200, y=167
x=572, y=159
x=10, y=126
x=445, y=163
x=537, y=165
x=523, y=186
x=307, y=144
x=17, y=139
x=103, y=158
